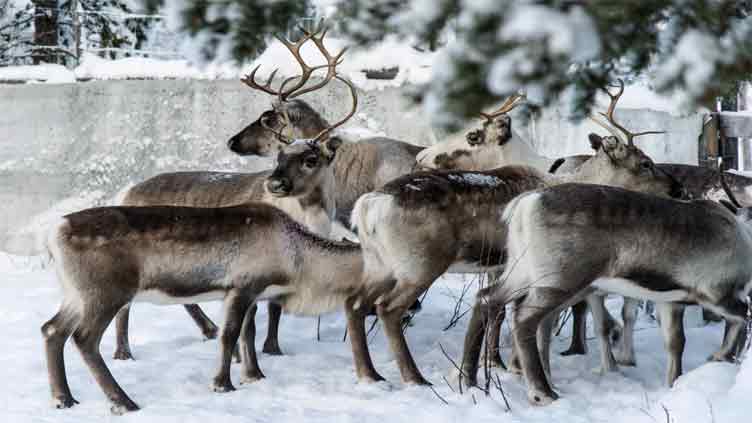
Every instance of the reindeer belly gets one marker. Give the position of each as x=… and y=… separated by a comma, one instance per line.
x=642, y=290
x=157, y=296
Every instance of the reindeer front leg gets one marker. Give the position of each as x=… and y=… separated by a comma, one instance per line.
x=251, y=371
x=236, y=304
x=578, y=345
x=271, y=345
x=598, y=308
x=672, y=328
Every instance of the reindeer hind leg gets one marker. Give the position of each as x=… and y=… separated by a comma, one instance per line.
x=56, y=332
x=87, y=337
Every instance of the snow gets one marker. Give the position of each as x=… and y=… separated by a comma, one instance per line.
x=476, y=179
x=315, y=381
x=572, y=33
x=693, y=61
x=95, y=67
x=53, y=74
x=415, y=66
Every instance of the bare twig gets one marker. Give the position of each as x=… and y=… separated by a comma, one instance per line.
x=503, y=395
x=447, y=382
x=438, y=396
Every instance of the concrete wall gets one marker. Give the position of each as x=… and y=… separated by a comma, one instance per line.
x=69, y=146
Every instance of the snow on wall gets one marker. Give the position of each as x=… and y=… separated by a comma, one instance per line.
x=64, y=147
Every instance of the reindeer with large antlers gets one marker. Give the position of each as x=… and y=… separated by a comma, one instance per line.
x=359, y=167
x=302, y=185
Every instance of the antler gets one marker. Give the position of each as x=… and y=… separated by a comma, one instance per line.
x=354, y=94
x=630, y=136
x=725, y=186
x=332, y=62
x=280, y=136
x=307, y=71
x=509, y=104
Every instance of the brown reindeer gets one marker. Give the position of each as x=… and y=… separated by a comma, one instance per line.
x=108, y=257
x=302, y=184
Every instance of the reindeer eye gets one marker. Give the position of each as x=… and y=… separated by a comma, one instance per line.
x=311, y=162
x=645, y=165
x=473, y=138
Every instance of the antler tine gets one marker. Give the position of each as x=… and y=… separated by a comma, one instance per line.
x=331, y=62
x=354, y=94
x=725, y=186
x=294, y=48
x=630, y=136
x=250, y=80
x=606, y=127
x=509, y=104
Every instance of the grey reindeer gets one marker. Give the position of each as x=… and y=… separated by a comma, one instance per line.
x=421, y=225
x=302, y=184
x=359, y=167
x=570, y=239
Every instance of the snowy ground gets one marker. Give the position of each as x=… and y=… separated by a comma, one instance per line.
x=315, y=381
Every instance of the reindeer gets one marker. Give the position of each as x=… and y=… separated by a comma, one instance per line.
x=569, y=239
x=421, y=225
x=302, y=184
x=495, y=145
x=358, y=167
x=108, y=257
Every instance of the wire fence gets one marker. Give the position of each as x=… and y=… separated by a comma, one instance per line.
x=107, y=34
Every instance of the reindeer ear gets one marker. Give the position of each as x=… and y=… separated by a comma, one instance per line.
x=596, y=141
x=331, y=145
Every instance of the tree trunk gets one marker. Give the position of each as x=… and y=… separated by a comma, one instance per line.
x=45, y=32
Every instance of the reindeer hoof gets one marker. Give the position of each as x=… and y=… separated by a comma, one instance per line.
x=120, y=409
x=721, y=357
x=573, y=351
x=418, y=380
x=123, y=354
x=624, y=361
x=271, y=348
x=371, y=378
x=541, y=398
x=251, y=377
x=64, y=402
x=210, y=332
x=222, y=387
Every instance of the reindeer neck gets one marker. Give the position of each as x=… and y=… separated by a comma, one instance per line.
x=519, y=151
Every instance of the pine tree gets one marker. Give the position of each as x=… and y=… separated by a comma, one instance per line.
x=233, y=29
x=16, y=27
x=702, y=47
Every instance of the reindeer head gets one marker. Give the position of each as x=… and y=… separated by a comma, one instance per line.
x=303, y=164
x=482, y=149
x=618, y=162
x=296, y=119
x=301, y=167
x=289, y=117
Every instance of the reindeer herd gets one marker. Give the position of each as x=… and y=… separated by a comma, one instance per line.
x=610, y=223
